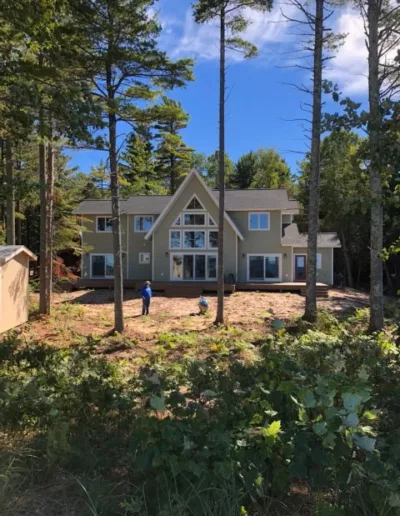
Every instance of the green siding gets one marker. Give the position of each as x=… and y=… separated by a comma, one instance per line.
x=137, y=244
x=261, y=242
x=161, y=234
x=101, y=242
x=325, y=274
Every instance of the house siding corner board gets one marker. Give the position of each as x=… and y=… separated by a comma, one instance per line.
x=261, y=243
x=102, y=242
x=325, y=273
x=162, y=251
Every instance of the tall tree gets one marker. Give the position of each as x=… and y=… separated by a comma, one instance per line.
x=232, y=22
x=245, y=170
x=272, y=170
x=122, y=55
x=173, y=156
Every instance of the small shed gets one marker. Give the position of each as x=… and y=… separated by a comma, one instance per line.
x=14, y=288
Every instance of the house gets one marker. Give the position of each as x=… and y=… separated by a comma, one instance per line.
x=174, y=238
x=14, y=288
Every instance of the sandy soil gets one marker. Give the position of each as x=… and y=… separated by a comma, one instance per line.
x=85, y=313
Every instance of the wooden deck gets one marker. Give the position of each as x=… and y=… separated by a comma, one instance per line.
x=196, y=288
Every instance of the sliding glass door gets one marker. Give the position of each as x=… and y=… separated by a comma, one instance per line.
x=193, y=267
x=264, y=267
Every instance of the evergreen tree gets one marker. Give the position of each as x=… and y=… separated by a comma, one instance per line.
x=272, y=170
x=245, y=170
x=232, y=22
x=125, y=63
x=212, y=170
x=173, y=156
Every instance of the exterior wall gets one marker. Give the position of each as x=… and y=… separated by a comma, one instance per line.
x=137, y=244
x=261, y=242
x=102, y=242
x=14, y=292
x=325, y=274
x=161, y=234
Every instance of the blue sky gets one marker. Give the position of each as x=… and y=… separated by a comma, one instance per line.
x=261, y=106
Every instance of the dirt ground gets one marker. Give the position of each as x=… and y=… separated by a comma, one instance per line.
x=90, y=313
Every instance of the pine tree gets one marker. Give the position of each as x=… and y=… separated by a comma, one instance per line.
x=123, y=58
x=173, y=156
x=232, y=23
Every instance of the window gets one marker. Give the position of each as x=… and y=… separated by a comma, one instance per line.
x=211, y=221
x=193, y=267
x=102, y=265
x=194, y=219
x=194, y=204
x=319, y=261
x=104, y=224
x=213, y=239
x=258, y=221
x=264, y=267
x=144, y=258
x=178, y=221
x=194, y=240
x=143, y=223
x=175, y=240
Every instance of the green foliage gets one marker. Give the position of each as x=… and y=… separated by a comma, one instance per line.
x=204, y=436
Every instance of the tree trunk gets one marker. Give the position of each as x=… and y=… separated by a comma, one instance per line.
x=49, y=224
x=221, y=174
x=376, y=285
x=115, y=211
x=18, y=225
x=10, y=228
x=310, y=313
x=347, y=260
x=44, y=307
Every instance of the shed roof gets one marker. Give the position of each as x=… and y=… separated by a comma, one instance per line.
x=295, y=239
x=235, y=200
x=8, y=252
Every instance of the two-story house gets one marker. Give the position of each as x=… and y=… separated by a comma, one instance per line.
x=175, y=238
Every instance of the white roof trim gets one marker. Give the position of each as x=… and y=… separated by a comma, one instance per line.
x=192, y=173
x=18, y=249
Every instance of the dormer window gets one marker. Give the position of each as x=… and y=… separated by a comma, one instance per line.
x=194, y=204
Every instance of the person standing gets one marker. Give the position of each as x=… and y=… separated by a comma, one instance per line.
x=146, y=294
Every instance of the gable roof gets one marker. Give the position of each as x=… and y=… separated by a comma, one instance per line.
x=137, y=204
x=235, y=200
x=295, y=239
x=8, y=252
x=172, y=201
x=258, y=199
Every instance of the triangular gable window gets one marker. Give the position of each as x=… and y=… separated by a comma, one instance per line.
x=194, y=204
x=211, y=221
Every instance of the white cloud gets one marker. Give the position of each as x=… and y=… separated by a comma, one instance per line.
x=350, y=67
x=201, y=40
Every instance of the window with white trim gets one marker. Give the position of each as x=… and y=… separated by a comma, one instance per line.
x=213, y=239
x=104, y=224
x=259, y=221
x=175, y=239
x=144, y=258
x=194, y=239
x=319, y=261
x=102, y=265
x=143, y=223
x=194, y=204
x=194, y=219
x=211, y=221
x=177, y=222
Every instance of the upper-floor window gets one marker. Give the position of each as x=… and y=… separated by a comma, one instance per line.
x=212, y=239
x=194, y=204
x=194, y=219
x=143, y=223
x=211, y=221
x=259, y=221
x=104, y=224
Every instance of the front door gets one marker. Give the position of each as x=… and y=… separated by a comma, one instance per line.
x=300, y=267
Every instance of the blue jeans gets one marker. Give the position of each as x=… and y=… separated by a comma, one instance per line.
x=146, y=305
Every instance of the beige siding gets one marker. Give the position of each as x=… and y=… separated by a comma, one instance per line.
x=261, y=242
x=325, y=274
x=137, y=244
x=101, y=242
x=14, y=293
x=161, y=235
